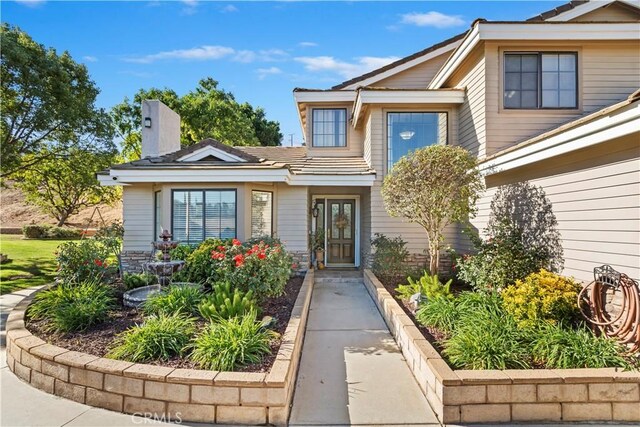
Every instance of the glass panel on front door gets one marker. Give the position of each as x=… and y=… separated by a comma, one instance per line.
x=341, y=236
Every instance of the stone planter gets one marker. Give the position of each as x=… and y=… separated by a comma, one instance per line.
x=247, y=398
x=509, y=396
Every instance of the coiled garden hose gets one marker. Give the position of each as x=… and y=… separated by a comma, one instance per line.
x=625, y=327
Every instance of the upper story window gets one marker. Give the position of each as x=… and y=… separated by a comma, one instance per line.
x=540, y=80
x=329, y=127
x=203, y=214
x=409, y=131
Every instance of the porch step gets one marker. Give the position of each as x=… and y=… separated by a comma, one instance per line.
x=339, y=280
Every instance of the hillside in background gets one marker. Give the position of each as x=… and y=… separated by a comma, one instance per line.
x=16, y=212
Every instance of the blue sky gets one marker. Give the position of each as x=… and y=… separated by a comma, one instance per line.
x=259, y=51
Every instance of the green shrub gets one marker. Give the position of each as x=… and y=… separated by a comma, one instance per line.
x=181, y=252
x=262, y=268
x=499, y=261
x=542, y=296
x=174, y=299
x=159, y=337
x=557, y=347
x=86, y=259
x=225, y=303
x=389, y=257
x=428, y=285
x=229, y=343
x=35, y=231
x=73, y=307
x=488, y=339
x=138, y=280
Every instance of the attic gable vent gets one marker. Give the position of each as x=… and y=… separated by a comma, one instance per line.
x=209, y=153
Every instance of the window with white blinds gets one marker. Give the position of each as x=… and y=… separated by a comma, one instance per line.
x=203, y=214
x=261, y=213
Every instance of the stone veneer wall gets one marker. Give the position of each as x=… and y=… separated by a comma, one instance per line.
x=467, y=396
x=133, y=261
x=167, y=393
x=301, y=260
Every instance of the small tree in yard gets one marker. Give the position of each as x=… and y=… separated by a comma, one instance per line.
x=61, y=187
x=433, y=187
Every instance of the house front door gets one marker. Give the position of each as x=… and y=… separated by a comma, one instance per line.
x=341, y=233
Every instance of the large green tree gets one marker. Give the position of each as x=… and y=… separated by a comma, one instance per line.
x=205, y=112
x=47, y=101
x=62, y=186
x=433, y=187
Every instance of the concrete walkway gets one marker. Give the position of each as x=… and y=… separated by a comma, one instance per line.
x=352, y=372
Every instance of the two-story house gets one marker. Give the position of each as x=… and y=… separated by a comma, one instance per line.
x=553, y=100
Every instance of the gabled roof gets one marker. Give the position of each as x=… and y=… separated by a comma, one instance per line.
x=578, y=8
x=400, y=61
x=558, y=10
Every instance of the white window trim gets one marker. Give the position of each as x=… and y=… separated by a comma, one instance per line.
x=346, y=129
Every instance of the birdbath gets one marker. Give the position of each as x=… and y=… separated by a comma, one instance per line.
x=164, y=269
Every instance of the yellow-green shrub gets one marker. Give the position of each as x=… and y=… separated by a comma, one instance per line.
x=542, y=296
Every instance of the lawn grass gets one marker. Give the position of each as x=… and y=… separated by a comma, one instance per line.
x=32, y=262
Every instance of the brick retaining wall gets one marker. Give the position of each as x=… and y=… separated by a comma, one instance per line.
x=467, y=396
x=188, y=394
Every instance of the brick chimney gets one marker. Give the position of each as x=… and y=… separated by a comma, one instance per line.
x=160, y=129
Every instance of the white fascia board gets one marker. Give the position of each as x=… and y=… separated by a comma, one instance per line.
x=333, y=180
x=533, y=31
x=405, y=97
x=620, y=123
x=565, y=31
x=468, y=43
x=210, y=151
x=197, y=175
x=108, y=181
x=402, y=67
x=324, y=96
x=585, y=8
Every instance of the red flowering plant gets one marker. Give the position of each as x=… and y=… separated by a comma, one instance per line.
x=83, y=260
x=258, y=266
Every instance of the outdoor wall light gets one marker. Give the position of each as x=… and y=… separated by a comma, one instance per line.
x=147, y=122
x=407, y=134
x=315, y=210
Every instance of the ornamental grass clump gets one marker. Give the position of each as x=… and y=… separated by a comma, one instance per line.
x=229, y=343
x=557, y=347
x=226, y=303
x=428, y=285
x=73, y=307
x=175, y=299
x=542, y=297
x=160, y=337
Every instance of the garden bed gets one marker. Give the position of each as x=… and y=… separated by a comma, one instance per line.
x=97, y=339
x=163, y=392
x=511, y=395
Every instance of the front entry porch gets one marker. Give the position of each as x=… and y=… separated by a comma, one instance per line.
x=337, y=229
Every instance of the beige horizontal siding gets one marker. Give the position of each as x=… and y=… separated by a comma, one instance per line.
x=608, y=72
x=354, y=136
x=595, y=194
x=292, y=216
x=610, y=13
x=137, y=215
x=417, y=77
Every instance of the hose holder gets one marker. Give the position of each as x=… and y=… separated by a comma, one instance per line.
x=607, y=276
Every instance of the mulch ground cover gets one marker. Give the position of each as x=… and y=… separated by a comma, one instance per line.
x=98, y=339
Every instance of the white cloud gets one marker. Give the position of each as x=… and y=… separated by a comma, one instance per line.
x=307, y=44
x=432, y=19
x=31, y=3
x=191, y=6
x=202, y=53
x=265, y=55
x=264, y=72
x=89, y=58
x=346, y=69
x=190, y=3
x=229, y=9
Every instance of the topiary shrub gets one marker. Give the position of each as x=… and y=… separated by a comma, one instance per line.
x=225, y=303
x=542, y=297
x=35, y=231
x=174, y=299
x=229, y=343
x=159, y=337
x=73, y=307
